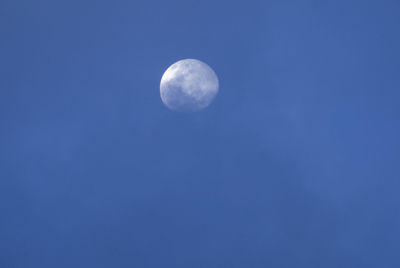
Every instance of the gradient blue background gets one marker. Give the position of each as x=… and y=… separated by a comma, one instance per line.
x=295, y=164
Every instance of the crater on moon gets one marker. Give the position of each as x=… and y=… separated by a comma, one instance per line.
x=188, y=85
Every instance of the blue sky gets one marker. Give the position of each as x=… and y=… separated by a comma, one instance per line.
x=295, y=164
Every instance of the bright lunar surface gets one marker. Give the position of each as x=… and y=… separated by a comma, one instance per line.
x=188, y=85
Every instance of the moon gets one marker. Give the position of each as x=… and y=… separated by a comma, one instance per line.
x=188, y=85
